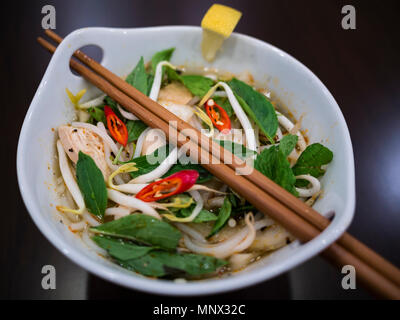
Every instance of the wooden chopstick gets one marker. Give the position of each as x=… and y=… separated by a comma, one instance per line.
x=309, y=214
x=278, y=212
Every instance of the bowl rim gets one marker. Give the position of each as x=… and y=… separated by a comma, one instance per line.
x=165, y=287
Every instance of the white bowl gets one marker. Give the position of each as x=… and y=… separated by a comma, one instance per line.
x=294, y=84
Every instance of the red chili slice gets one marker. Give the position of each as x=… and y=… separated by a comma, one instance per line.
x=116, y=127
x=218, y=116
x=175, y=184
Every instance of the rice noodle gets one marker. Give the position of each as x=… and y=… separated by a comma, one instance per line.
x=155, y=89
x=69, y=181
x=160, y=170
x=237, y=243
x=315, y=186
x=126, y=114
x=139, y=143
x=103, y=135
x=132, y=202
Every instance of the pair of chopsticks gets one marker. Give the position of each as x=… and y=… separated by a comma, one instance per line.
x=376, y=273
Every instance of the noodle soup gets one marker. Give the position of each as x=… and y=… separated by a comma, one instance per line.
x=134, y=199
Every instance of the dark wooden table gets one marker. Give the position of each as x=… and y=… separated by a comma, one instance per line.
x=360, y=67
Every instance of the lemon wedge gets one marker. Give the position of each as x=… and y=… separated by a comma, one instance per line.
x=218, y=24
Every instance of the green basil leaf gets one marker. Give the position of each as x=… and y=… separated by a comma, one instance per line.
x=161, y=263
x=164, y=55
x=310, y=162
x=97, y=115
x=197, y=85
x=135, y=128
x=119, y=249
x=138, y=77
x=91, y=183
x=224, y=103
x=203, y=216
x=274, y=164
x=257, y=106
x=142, y=228
x=288, y=143
x=223, y=217
x=204, y=175
x=108, y=101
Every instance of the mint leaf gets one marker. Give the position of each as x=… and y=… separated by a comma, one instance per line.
x=257, y=106
x=135, y=128
x=119, y=249
x=142, y=228
x=91, y=183
x=288, y=143
x=273, y=163
x=310, y=162
x=223, y=216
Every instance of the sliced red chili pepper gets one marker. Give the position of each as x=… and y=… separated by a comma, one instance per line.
x=175, y=184
x=218, y=116
x=117, y=128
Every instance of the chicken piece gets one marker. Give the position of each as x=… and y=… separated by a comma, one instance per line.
x=81, y=139
x=175, y=92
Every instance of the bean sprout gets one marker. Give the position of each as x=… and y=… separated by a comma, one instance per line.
x=155, y=89
x=315, y=186
x=92, y=103
x=160, y=170
x=126, y=114
x=132, y=202
x=69, y=181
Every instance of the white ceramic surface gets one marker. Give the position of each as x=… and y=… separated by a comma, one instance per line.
x=293, y=83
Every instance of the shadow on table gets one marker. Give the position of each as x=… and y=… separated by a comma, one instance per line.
x=277, y=288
